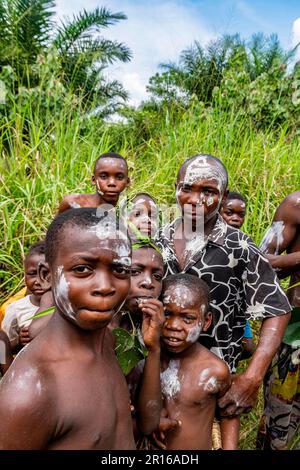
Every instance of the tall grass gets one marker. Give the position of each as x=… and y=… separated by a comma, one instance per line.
x=40, y=164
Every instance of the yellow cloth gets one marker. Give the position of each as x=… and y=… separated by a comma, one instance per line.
x=11, y=299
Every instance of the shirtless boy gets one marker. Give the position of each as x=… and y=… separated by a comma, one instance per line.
x=68, y=377
x=110, y=178
x=281, y=245
x=192, y=377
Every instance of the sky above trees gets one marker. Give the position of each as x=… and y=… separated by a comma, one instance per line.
x=157, y=31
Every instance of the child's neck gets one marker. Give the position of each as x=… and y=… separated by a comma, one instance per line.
x=71, y=335
x=102, y=201
x=35, y=300
x=191, y=229
x=187, y=354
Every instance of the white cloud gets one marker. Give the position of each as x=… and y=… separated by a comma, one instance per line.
x=296, y=35
x=155, y=31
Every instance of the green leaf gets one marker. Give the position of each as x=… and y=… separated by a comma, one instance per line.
x=48, y=311
x=129, y=350
x=292, y=335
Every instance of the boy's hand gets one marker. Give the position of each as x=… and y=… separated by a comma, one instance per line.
x=153, y=320
x=165, y=425
x=24, y=337
x=240, y=397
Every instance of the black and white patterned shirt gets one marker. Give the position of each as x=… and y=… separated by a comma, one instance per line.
x=242, y=285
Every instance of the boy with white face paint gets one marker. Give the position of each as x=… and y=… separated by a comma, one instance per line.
x=69, y=377
x=192, y=378
x=242, y=284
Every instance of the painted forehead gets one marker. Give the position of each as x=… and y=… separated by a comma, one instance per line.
x=105, y=234
x=112, y=162
x=184, y=296
x=203, y=167
x=231, y=202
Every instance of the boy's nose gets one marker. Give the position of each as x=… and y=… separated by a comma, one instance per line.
x=173, y=324
x=147, y=282
x=102, y=286
x=111, y=182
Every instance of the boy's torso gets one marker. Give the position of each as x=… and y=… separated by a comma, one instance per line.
x=92, y=409
x=190, y=389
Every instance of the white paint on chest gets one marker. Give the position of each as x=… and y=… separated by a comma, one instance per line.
x=170, y=383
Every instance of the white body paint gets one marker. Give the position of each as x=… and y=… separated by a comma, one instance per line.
x=207, y=381
x=194, y=333
x=275, y=232
x=200, y=168
x=170, y=383
x=61, y=293
x=74, y=205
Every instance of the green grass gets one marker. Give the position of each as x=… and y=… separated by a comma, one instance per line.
x=41, y=163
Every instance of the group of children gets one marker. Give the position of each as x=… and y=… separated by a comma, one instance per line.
x=102, y=270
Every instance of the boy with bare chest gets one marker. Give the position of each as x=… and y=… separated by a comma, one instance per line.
x=192, y=378
x=66, y=389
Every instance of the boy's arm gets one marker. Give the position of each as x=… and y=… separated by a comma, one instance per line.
x=280, y=235
x=26, y=411
x=243, y=392
x=150, y=400
x=6, y=357
x=230, y=428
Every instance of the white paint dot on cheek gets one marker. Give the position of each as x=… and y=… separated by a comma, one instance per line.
x=210, y=201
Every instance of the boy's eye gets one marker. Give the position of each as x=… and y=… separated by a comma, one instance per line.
x=121, y=269
x=186, y=188
x=157, y=276
x=120, y=176
x=136, y=213
x=135, y=272
x=103, y=175
x=82, y=269
x=228, y=212
x=31, y=273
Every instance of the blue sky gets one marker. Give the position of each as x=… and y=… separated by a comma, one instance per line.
x=158, y=30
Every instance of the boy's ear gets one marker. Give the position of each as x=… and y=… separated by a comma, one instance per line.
x=128, y=181
x=207, y=321
x=44, y=275
x=93, y=180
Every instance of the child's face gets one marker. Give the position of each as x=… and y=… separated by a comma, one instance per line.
x=200, y=190
x=185, y=317
x=110, y=178
x=32, y=280
x=144, y=215
x=90, y=276
x=146, y=277
x=233, y=212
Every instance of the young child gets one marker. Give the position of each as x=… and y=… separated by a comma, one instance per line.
x=242, y=284
x=192, y=378
x=18, y=314
x=110, y=178
x=68, y=377
x=142, y=212
x=144, y=312
x=233, y=211
x=6, y=357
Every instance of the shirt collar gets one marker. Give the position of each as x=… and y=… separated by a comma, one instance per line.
x=217, y=235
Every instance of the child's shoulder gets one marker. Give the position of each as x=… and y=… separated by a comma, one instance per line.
x=217, y=366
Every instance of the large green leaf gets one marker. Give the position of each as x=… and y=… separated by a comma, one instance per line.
x=292, y=332
x=129, y=350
